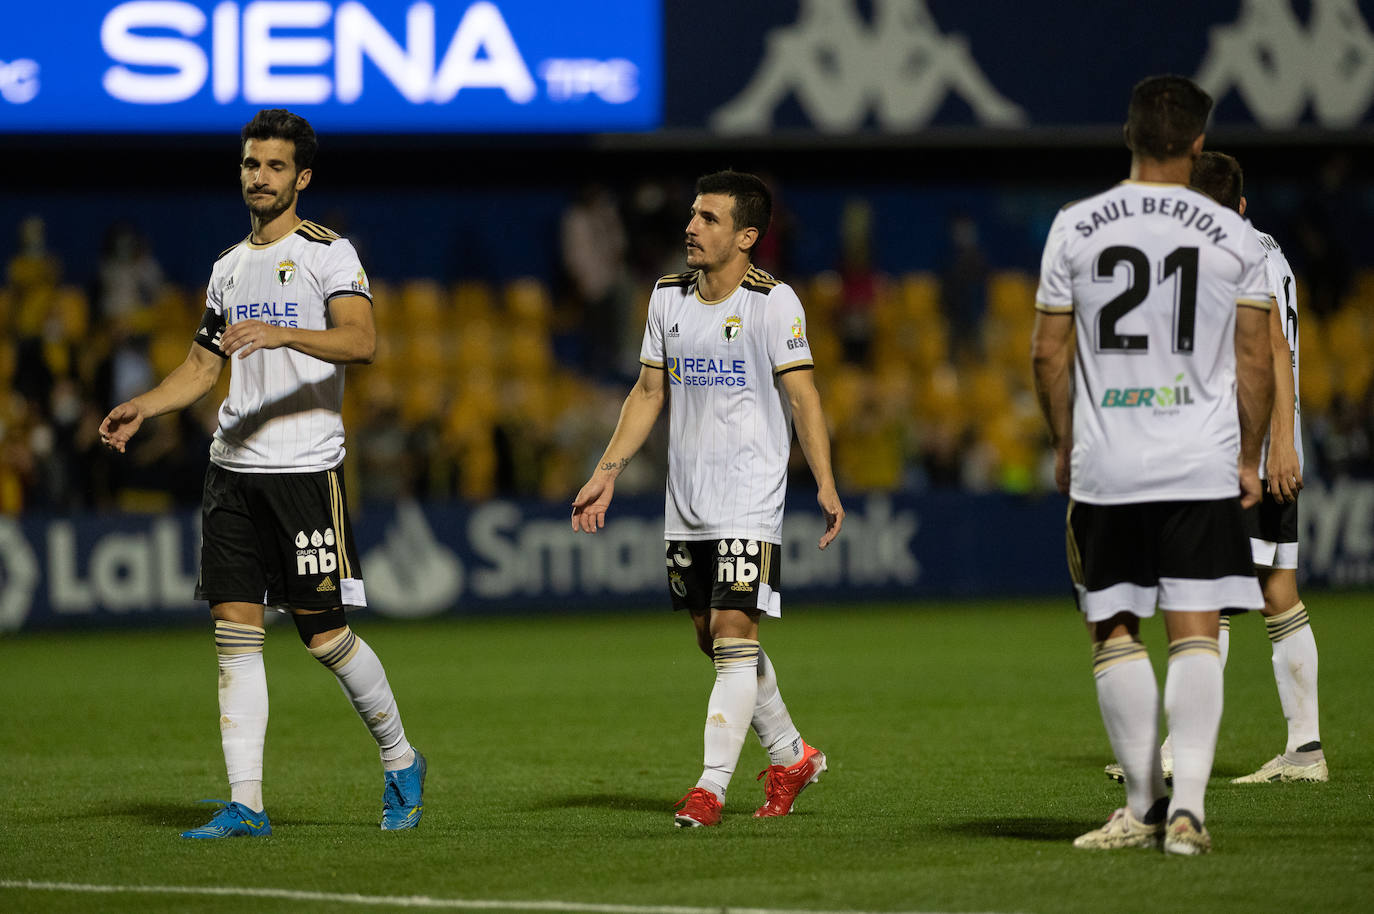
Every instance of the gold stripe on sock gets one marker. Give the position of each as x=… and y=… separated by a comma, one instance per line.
x=238, y=638
x=1286, y=623
x=1224, y=624
x=1109, y=653
x=337, y=651
x=729, y=651
x=1199, y=644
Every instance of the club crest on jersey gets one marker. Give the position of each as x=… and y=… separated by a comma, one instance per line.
x=733, y=328
x=286, y=271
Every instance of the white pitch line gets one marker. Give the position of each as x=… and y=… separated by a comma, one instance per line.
x=408, y=901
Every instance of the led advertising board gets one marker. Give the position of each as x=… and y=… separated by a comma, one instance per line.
x=68, y=66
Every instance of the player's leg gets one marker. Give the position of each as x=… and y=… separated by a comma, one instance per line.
x=690, y=579
x=1205, y=565
x=363, y=680
x=319, y=571
x=239, y=638
x=1166, y=748
x=730, y=709
x=233, y=580
x=1192, y=702
x=1273, y=529
x=1108, y=565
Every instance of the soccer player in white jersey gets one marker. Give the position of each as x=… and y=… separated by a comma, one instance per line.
x=725, y=344
x=1273, y=523
x=1152, y=366
x=290, y=306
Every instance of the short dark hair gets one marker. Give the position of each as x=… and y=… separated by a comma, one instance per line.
x=1166, y=115
x=280, y=124
x=753, y=207
x=1219, y=176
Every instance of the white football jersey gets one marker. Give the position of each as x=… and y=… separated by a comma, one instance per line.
x=1286, y=294
x=1153, y=274
x=282, y=414
x=730, y=424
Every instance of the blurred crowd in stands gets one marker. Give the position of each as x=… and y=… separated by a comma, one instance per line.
x=482, y=389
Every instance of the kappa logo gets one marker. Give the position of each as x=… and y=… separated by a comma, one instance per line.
x=286, y=271
x=1277, y=66
x=732, y=328
x=899, y=67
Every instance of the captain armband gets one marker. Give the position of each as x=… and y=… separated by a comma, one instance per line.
x=211, y=332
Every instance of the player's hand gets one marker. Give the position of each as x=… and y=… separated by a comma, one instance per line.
x=589, y=507
x=243, y=338
x=1251, y=489
x=1063, y=466
x=1283, y=473
x=834, y=515
x=120, y=425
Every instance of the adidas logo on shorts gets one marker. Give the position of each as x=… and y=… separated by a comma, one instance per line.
x=326, y=586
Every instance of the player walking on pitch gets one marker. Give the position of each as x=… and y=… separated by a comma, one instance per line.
x=291, y=306
x=726, y=344
x=1155, y=297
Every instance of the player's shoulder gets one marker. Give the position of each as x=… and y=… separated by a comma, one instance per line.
x=237, y=245
x=1266, y=241
x=759, y=280
x=677, y=280
x=1088, y=202
x=318, y=234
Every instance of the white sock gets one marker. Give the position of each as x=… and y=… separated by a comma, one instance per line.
x=1128, y=697
x=363, y=680
x=1295, y=672
x=729, y=711
x=242, y=708
x=777, y=734
x=1192, y=699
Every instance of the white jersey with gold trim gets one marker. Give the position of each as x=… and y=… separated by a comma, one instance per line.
x=730, y=424
x=1153, y=274
x=1286, y=295
x=282, y=414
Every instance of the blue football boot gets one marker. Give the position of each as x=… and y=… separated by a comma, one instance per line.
x=233, y=821
x=403, y=796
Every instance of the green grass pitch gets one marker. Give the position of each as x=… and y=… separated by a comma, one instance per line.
x=964, y=741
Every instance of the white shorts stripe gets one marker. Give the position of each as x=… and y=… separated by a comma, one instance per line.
x=1274, y=555
x=1173, y=594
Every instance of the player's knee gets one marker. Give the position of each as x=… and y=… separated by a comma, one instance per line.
x=311, y=625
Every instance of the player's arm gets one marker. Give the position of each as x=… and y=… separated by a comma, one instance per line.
x=186, y=384
x=1254, y=394
x=799, y=385
x=1052, y=348
x=1282, y=469
x=637, y=417
x=350, y=339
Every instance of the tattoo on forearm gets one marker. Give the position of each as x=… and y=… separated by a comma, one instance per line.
x=615, y=465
